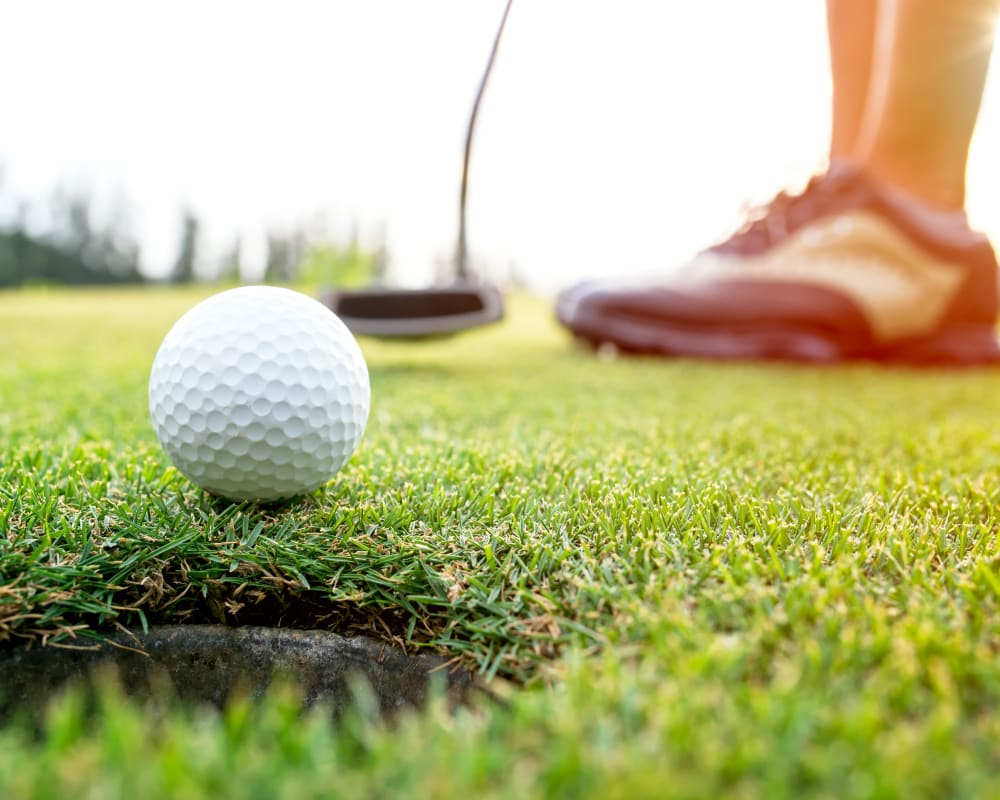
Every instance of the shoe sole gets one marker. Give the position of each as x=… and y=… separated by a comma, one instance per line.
x=957, y=346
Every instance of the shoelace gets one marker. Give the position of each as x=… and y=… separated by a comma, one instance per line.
x=769, y=223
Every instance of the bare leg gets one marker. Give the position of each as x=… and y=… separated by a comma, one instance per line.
x=851, y=31
x=928, y=71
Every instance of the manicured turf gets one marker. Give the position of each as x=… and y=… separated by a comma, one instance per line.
x=707, y=579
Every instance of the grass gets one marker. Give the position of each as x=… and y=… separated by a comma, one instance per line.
x=707, y=579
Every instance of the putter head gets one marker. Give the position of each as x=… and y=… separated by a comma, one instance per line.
x=416, y=313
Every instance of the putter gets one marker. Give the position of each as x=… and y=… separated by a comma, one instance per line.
x=467, y=302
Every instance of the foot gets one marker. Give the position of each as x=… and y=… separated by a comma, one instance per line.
x=850, y=269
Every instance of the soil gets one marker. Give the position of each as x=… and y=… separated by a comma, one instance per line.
x=209, y=663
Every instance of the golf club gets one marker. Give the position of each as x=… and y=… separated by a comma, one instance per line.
x=467, y=302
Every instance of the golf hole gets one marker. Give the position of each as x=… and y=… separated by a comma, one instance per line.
x=210, y=664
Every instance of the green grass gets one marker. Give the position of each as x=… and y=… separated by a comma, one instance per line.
x=706, y=579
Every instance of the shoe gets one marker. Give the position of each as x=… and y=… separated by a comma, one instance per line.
x=850, y=269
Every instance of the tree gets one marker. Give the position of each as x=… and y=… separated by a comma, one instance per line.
x=231, y=266
x=285, y=253
x=187, y=251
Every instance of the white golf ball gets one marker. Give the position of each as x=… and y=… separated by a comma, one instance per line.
x=259, y=393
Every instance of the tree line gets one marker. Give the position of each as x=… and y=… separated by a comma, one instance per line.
x=75, y=248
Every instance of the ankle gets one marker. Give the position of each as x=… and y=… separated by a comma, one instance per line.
x=939, y=190
x=936, y=195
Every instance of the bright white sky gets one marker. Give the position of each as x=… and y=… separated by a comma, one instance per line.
x=616, y=136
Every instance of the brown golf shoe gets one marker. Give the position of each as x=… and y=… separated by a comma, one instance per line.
x=847, y=270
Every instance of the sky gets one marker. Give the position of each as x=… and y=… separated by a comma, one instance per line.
x=615, y=136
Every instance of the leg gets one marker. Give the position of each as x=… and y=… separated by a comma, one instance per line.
x=930, y=63
x=851, y=32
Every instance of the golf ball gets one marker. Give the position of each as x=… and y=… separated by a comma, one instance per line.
x=259, y=393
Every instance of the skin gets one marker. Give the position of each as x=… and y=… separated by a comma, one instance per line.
x=908, y=79
x=851, y=29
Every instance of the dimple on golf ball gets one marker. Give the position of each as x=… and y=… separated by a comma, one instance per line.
x=259, y=393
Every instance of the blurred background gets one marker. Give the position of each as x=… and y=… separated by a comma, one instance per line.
x=239, y=140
